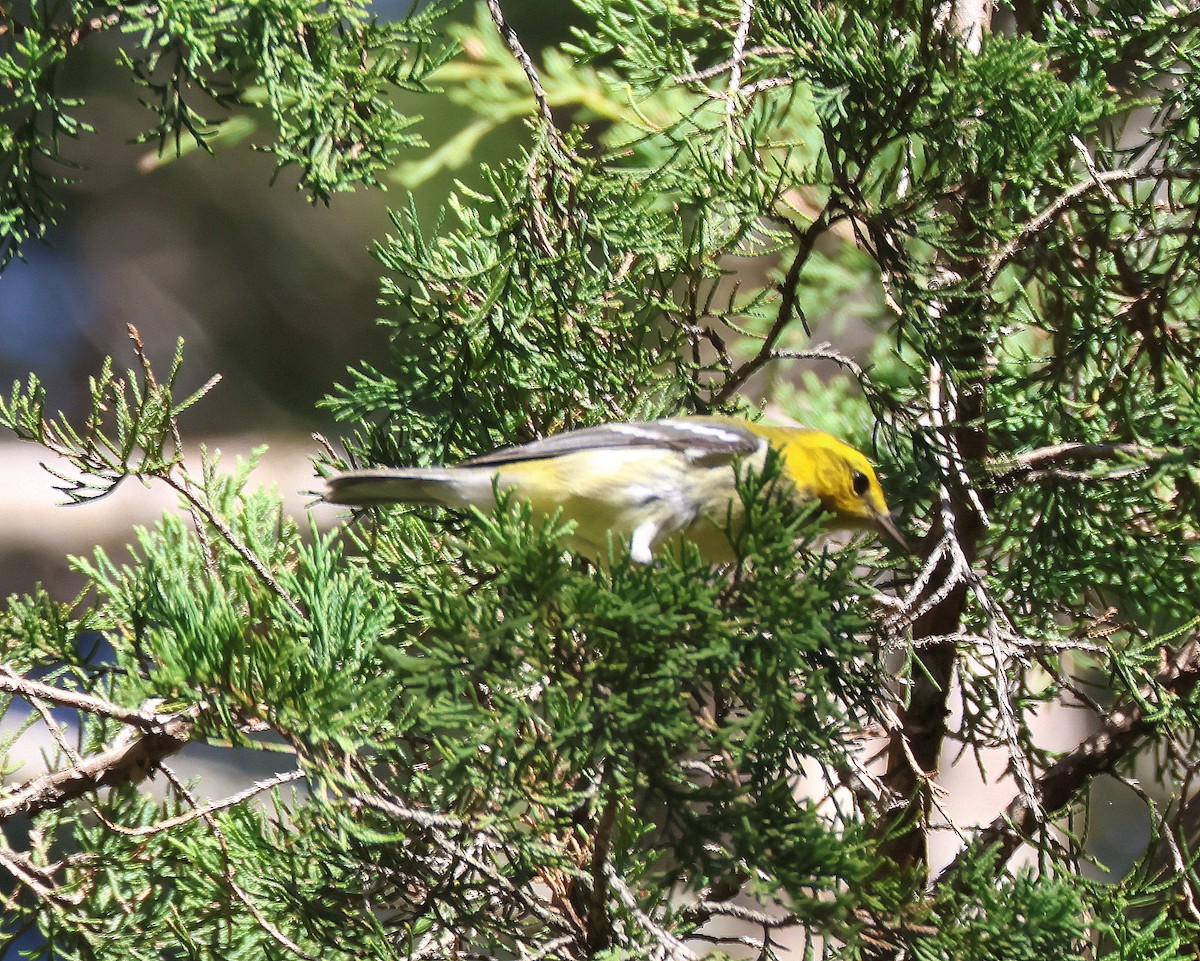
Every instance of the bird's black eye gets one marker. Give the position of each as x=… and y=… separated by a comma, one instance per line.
x=860, y=482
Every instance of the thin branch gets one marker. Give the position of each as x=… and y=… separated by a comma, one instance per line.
x=823, y=351
x=709, y=72
x=1086, y=156
x=1099, y=181
x=915, y=744
x=205, y=810
x=139, y=350
x=789, y=307
x=184, y=489
x=526, y=898
x=55, y=729
x=549, y=948
x=513, y=42
x=228, y=871
x=702, y=911
x=14, y=683
x=438, y=824
x=737, y=60
x=1168, y=841
x=767, y=83
x=35, y=878
x=669, y=946
x=425, y=819
x=1063, y=780
x=969, y=638
x=1043, y=461
x=733, y=96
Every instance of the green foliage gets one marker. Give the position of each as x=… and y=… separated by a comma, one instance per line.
x=128, y=431
x=325, y=73
x=490, y=313
x=510, y=751
x=540, y=695
x=1021, y=919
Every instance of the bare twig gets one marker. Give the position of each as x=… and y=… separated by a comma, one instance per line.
x=527, y=899
x=206, y=809
x=702, y=911
x=789, y=308
x=549, y=948
x=1098, y=181
x=554, y=141
x=438, y=824
x=1169, y=844
x=55, y=729
x=737, y=60
x=227, y=873
x=185, y=489
x=709, y=72
x=139, y=350
x=733, y=96
x=35, y=878
x=934, y=607
x=513, y=42
x=425, y=819
x=1086, y=155
x=14, y=683
x=669, y=947
x=767, y=83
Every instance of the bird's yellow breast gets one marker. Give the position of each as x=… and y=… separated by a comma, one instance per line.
x=617, y=491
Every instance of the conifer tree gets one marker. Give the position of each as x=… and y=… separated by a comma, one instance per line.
x=503, y=750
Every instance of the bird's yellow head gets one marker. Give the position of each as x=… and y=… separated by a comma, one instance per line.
x=836, y=474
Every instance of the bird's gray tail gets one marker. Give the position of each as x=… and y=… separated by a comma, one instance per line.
x=447, y=486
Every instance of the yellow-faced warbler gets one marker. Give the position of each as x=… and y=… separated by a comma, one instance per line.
x=649, y=481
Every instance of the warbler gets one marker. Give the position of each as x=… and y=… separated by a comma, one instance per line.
x=648, y=481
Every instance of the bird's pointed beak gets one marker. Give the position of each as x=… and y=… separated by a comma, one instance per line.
x=888, y=526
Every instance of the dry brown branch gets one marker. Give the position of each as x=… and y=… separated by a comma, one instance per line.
x=124, y=763
x=789, y=309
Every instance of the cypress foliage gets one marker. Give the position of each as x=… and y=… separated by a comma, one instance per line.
x=502, y=750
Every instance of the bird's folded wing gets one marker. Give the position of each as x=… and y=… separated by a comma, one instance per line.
x=702, y=440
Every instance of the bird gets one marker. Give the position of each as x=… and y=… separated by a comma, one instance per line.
x=652, y=482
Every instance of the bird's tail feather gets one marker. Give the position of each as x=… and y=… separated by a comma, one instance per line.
x=447, y=486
